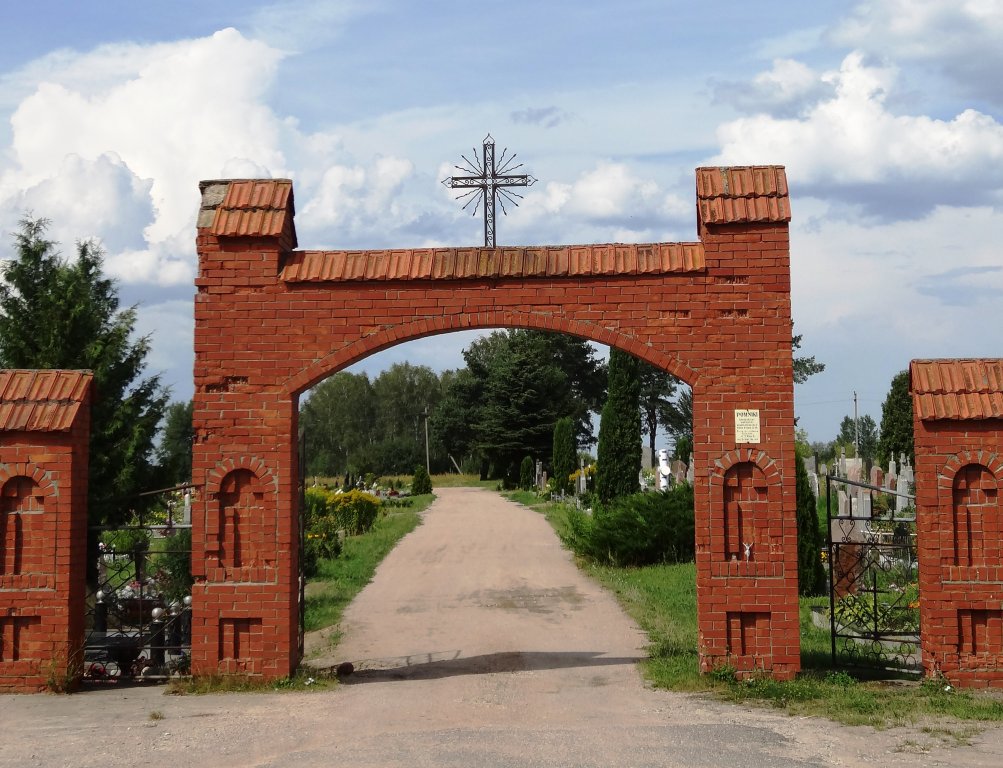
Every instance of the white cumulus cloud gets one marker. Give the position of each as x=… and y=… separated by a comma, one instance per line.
x=960, y=38
x=853, y=146
x=120, y=136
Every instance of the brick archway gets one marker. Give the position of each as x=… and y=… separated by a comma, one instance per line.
x=271, y=321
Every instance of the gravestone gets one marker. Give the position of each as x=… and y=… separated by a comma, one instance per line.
x=678, y=471
x=855, y=470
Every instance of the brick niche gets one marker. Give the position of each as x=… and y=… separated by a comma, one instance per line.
x=44, y=431
x=958, y=429
x=271, y=321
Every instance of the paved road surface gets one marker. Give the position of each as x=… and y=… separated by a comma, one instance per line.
x=479, y=644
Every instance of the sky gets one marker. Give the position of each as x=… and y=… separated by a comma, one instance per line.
x=888, y=116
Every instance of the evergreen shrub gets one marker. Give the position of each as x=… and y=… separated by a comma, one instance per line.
x=527, y=472
x=421, y=483
x=640, y=529
x=565, y=455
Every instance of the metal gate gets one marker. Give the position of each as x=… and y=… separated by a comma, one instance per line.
x=138, y=618
x=873, y=576
x=301, y=500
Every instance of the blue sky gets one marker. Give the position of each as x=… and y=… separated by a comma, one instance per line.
x=888, y=115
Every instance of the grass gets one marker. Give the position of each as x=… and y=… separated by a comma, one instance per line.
x=338, y=581
x=662, y=600
x=206, y=684
x=464, y=481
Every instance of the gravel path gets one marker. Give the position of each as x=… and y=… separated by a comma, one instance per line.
x=479, y=643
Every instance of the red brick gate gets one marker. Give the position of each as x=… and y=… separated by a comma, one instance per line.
x=44, y=428
x=272, y=321
x=958, y=429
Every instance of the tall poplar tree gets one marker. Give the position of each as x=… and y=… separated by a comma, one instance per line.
x=63, y=314
x=619, y=451
x=896, y=421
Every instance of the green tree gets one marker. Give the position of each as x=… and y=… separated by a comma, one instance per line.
x=526, y=473
x=677, y=418
x=804, y=366
x=896, y=421
x=867, y=431
x=339, y=420
x=519, y=384
x=565, y=454
x=56, y=313
x=452, y=420
x=174, y=454
x=619, y=452
x=811, y=574
x=524, y=395
x=657, y=405
x=421, y=483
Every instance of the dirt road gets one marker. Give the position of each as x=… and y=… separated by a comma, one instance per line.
x=478, y=644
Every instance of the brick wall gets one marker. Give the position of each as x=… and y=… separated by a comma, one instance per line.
x=270, y=322
x=959, y=473
x=43, y=545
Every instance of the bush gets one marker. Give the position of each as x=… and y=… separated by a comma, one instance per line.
x=322, y=543
x=173, y=566
x=353, y=512
x=640, y=529
x=527, y=473
x=421, y=483
x=565, y=456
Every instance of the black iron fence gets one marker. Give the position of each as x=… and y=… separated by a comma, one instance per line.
x=873, y=576
x=138, y=618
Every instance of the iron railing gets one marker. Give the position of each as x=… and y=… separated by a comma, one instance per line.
x=138, y=617
x=873, y=577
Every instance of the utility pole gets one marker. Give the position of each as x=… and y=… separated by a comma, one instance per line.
x=428, y=464
x=856, y=427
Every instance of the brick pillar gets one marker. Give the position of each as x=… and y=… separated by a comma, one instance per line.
x=244, y=537
x=747, y=603
x=958, y=437
x=43, y=528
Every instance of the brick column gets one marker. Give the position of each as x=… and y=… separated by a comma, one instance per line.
x=44, y=432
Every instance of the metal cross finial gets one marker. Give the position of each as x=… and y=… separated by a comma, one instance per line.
x=489, y=182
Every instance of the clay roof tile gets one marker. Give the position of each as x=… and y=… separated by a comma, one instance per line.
x=460, y=263
x=41, y=401
x=957, y=389
x=743, y=194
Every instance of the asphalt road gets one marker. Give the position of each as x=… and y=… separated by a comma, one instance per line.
x=479, y=643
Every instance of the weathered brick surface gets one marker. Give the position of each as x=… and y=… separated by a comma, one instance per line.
x=721, y=323
x=43, y=546
x=959, y=473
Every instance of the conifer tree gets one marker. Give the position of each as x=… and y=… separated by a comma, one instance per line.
x=565, y=453
x=61, y=314
x=619, y=459
x=811, y=575
x=896, y=421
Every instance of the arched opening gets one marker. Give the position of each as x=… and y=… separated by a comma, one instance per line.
x=272, y=321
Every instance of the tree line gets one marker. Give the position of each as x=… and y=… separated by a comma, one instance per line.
x=483, y=418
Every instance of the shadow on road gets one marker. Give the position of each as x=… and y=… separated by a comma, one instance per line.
x=433, y=666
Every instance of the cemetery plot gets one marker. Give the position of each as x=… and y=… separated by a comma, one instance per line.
x=873, y=576
x=138, y=619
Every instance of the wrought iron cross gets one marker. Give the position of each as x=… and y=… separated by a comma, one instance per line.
x=489, y=183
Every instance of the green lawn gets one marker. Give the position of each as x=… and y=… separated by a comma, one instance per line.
x=662, y=599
